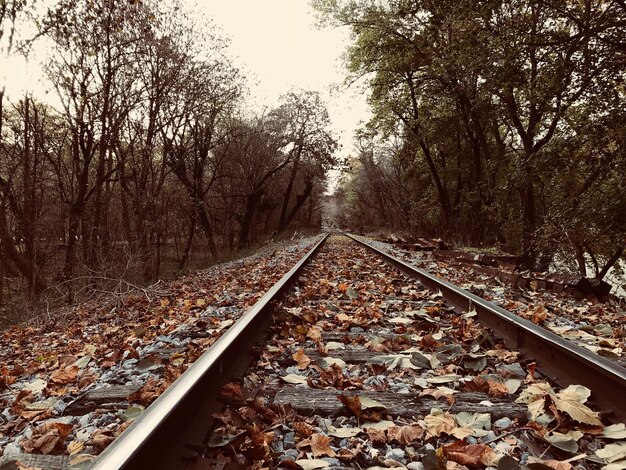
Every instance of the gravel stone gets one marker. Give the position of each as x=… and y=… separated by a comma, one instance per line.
x=291, y=454
x=415, y=466
x=12, y=448
x=502, y=423
x=425, y=449
x=397, y=455
x=289, y=440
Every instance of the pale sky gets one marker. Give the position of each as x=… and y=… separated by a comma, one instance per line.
x=277, y=45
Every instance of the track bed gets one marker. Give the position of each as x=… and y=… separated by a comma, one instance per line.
x=365, y=367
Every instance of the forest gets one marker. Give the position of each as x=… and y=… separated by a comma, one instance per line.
x=495, y=123
x=147, y=159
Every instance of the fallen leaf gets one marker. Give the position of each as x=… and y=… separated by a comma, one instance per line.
x=405, y=434
x=615, y=431
x=35, y=386
x=383, y=425
x=570, y=401
x=353, y=403
x=81, y=458
x=326, y=362
x=420, y=360
x=464, y=454
x=538, y=464
x=475, y=362
x=369, y=403
x=438, y=422
x=320, y=445
x=294, y=379
x=612, y=452
x=440, y=392
x=101, y=438
x=232, y=391
x=479, y=423
x=303, y=429
x=393, y=361
x=75, y=447
x=352, y=294
x=301, y=358
x=566, y=442
x=312, y=464
x=376, y=436
x=342, y=432
x=65, y=375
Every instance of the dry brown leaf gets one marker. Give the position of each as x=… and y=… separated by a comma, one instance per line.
x=477, y=384
x=320, y=445
x=353, y=403
x=405, y=434
x=342, y=317
x=65, y=375
x=377, y=436
x=490, y=458
x=438, y=422
x=21, y=466
x=303, y=429
x=257, y=445
x=439, y=392
x=555, y=464
x=46, y=443
x=232, y=391
x=497, y=389
x=539, y=315
x=101, y=438
x=465, y=454
x=315, y=333
x=301, y=358
x=530, y=377
x=347, y=455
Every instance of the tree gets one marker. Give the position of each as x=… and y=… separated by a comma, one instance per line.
x=309, y=144
x=483, y=95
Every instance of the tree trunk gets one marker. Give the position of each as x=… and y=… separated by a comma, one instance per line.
x=71, y=253
x=300, y=200
x=611, y=262
x=580, y=259
x=207, y=227
x=529, y=225
x=192, y=231
x=15, y=259
x=283, y=220
x=246, y=221
x=442, y=194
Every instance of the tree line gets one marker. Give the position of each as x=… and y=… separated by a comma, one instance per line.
x=498, y=122
x=148, y=153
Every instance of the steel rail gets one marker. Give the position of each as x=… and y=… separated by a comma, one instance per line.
x=147, y=442
x=558, y=358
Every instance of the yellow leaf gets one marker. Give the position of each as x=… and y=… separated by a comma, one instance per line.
x=75, y=447
x=571, y=401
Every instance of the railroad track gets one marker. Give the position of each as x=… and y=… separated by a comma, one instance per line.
x=283, y=382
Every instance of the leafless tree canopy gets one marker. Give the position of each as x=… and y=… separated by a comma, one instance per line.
x=148, y=163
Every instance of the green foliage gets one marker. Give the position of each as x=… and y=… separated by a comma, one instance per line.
x=509, y=116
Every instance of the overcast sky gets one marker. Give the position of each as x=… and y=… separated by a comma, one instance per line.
x=275, y=42
x=278, y=44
